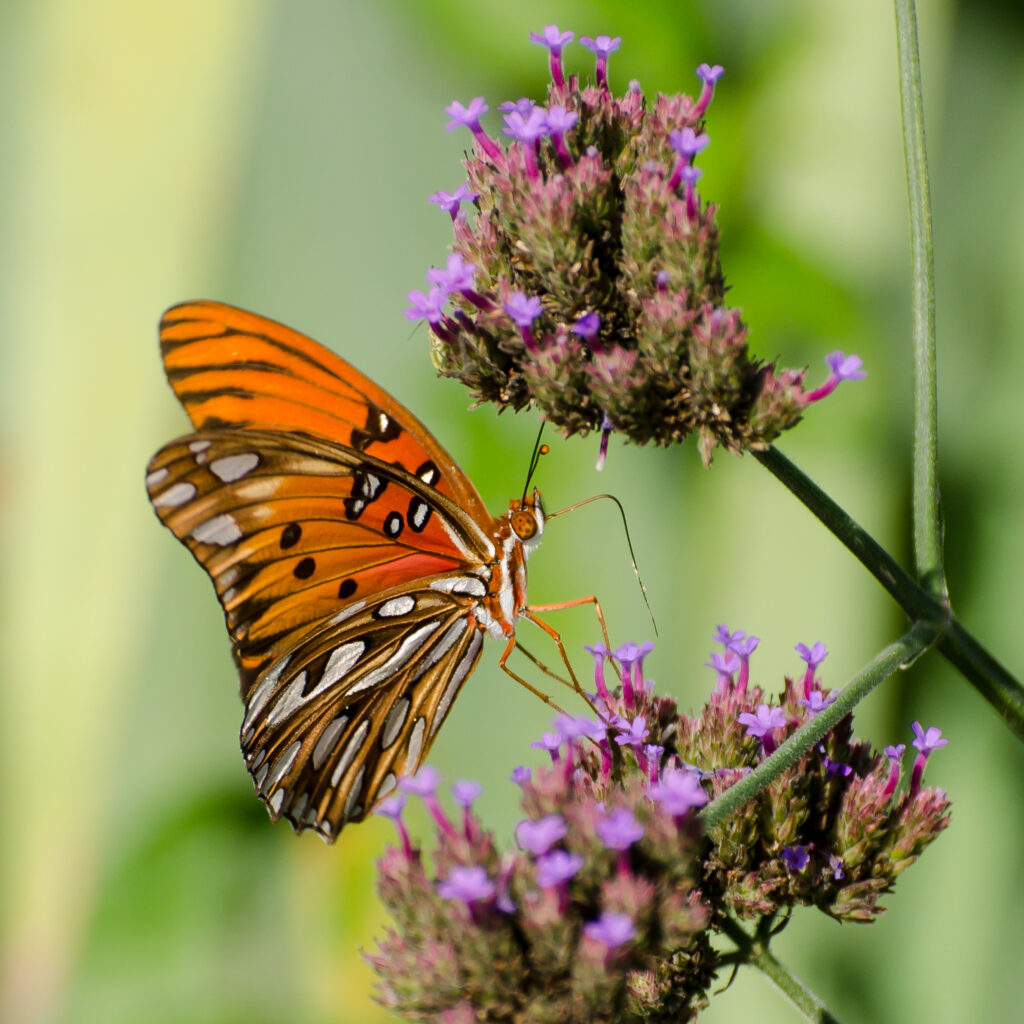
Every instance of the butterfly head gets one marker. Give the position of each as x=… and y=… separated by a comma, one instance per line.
x=526, y=517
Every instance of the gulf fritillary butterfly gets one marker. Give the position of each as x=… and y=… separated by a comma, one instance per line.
x=356, y=564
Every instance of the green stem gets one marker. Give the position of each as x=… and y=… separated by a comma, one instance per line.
x=895, y=656
x=956, y=644
x=927, y=512
x=756, y=953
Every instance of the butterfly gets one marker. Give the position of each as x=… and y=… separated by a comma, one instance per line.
x=356, y=564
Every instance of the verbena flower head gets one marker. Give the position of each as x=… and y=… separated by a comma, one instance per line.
x=588, y=206
x=605, y=904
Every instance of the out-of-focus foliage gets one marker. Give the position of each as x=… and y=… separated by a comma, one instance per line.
x=279, y=156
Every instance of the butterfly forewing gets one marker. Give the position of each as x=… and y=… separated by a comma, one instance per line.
x=232, y=368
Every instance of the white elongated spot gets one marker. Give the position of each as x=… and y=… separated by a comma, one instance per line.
x=353, y=793
x=276, y=800
x=222, y=530
x=176, y=495
x=409, y=646
x=283, y=763
x=298, y=806
x=325, y=744
x=401, y=605
x=441, y=648
x=350, y=751
x=387, y=785
x=347, y=612
x=234, y=467
x=340, y=663
x=412, y=757
x=198, y=446
x=289, y=700
x=468, y=585
x=460, y=673
x=419, y=513
x=260, y=776
x=228, y=576
x=157, y=476
x=258, y=759
x=394, y=722
x=261, y=694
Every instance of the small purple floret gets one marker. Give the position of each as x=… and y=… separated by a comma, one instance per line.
x=687, y=143
x=632, y=733
x=521, y=775
x=611, y=929
x=423, y=783
x=465, y=792
x=846, y=367
x=560, y=120
x=451, y=201
x=796, y=857
x=429, y=307
x=843, y=367
x=895, y=753
x=554, y=41
x=551, y=38
x=678, y=792
x=587, y=326
x=539, y=836
x=928, y=739
x=522, y=309
x=466, y=884
x=817, y=701
x=602, y=47
x=557, y=867
x=457, y=276
x=709, y=74
x=764, y=721
x=527, y=128
x=619, y=829
x=522, y=106
x=465, y=116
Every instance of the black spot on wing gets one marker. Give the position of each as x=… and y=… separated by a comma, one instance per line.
x=305, y=568
x=347, y=588
x=290, y=535
x=379, y=427
x=394, y=524
x=419, y=515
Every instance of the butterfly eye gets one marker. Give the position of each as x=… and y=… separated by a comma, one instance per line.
x=524, y=524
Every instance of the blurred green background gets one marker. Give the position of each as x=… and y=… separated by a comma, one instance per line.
x=279, y=156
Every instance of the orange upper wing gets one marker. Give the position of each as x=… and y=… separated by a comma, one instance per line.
x=231, y=368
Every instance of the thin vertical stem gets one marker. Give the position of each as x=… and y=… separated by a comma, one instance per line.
x=927, y=510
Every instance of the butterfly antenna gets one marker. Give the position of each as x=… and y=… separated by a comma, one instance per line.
x=538, y=450
x=629, y=543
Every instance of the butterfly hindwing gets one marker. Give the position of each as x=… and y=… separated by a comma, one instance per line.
x=332, y=723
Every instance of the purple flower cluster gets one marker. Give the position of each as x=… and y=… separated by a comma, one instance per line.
x=605, y=904
x=588, y=279
x=835, y=829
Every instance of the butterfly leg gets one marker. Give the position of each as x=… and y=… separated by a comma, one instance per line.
x=540, y=664
x=561, y=605
x=519, y=679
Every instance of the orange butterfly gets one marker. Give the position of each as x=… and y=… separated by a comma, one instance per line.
x=357, y=565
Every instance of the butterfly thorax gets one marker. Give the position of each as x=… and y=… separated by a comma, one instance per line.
x=515, y=535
